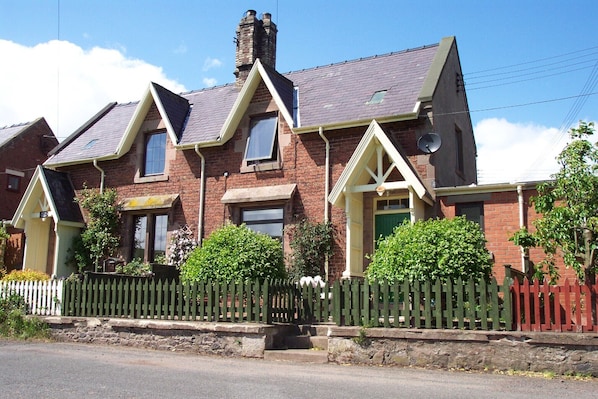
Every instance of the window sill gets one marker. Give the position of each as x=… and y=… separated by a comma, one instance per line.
x=150, y=179
x=261, y=167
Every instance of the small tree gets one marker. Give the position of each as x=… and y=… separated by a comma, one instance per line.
x=311, y=243
x=569, y=208
x=100, y=238
x=430, y=249
x=235, y=253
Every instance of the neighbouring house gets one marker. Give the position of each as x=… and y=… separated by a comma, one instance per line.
x=364, y=144
x=500, y=209
x=22, y=148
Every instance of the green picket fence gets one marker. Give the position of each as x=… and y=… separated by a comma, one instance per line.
x=470, y=304
x=168, y=300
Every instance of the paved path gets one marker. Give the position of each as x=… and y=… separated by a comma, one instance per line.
x=60, y=370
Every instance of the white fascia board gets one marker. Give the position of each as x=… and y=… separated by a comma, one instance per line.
x=169, y=128
x=17, y=220
x=134, y=125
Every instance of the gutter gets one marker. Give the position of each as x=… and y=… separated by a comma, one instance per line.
x=201, y=196
x=102, y=175
x=326, y=189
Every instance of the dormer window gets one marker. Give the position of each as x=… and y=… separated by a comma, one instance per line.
x=155, y=153
x=261, y=143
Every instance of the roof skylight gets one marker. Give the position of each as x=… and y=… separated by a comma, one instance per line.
x=90, y=144
x=377, y=97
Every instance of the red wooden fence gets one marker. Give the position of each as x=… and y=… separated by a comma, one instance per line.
x=544, y=307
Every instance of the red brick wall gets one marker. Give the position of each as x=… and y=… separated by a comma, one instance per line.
x=23, y=154
x=501, y=220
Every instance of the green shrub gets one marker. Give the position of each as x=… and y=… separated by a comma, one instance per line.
x=311, y=243
x=235, y=253
x=136, y=267
x=26, y=275
x=14, y=323
x=430, y=249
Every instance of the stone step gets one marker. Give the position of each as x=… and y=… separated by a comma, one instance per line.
x=297, y=355
x=306, y=342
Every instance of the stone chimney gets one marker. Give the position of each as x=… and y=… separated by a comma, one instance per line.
x=255, y=39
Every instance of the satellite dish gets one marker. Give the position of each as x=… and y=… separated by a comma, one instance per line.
x=429, y=143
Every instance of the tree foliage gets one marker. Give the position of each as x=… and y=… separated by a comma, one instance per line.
x=431, y=249
x=235, y=253
x=100, y=238
x=569, y=207
x=311, y=242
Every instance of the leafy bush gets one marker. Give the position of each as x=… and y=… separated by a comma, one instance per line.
x=26, y=275
x=136, y=267
x=13, y=322
x=235, y=253
x=430, y=249
x=311, y=243
x=182, y=244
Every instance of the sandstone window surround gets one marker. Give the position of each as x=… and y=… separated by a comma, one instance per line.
x=262, y=146
x=152, y=155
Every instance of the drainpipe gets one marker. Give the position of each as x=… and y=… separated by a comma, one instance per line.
x=103, y=174
x=201, y=195
x=326, y=190
x=521, y=224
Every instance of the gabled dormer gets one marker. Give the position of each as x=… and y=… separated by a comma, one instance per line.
x=262, y=116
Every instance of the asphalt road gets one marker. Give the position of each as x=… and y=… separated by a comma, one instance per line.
x=60, y=370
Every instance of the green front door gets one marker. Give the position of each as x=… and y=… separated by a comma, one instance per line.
x=386, y=222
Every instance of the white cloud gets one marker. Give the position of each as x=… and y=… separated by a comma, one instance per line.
x=210, y=63
x=209, y=82
x=67, y=84
x=511, y=152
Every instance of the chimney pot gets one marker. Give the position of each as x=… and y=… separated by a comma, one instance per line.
x=255, y=39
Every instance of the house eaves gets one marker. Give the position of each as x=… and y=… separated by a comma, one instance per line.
x=366, y=147
x=59, y=194
x=357, y=123
x=257, y=74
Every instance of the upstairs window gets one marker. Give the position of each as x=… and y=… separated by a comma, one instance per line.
x=14, y=183
x=459, y=144
x=155, y=153
x=261, y=143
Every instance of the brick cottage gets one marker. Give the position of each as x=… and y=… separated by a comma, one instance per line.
x=346, y=143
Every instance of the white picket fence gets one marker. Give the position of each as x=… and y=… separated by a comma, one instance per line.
x=42, y=297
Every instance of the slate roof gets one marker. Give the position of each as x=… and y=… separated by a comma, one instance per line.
x=9, y=132
x=327, y=96
x=62, y=193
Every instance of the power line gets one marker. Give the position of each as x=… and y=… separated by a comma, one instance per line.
x=530, y=62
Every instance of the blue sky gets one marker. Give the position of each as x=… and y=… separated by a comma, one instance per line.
x=526, y=64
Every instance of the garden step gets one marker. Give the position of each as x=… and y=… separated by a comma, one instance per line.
x=306, y=342
x=297, y=355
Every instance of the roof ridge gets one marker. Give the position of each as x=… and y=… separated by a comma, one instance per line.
x=409, y=50
x=205, y=89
